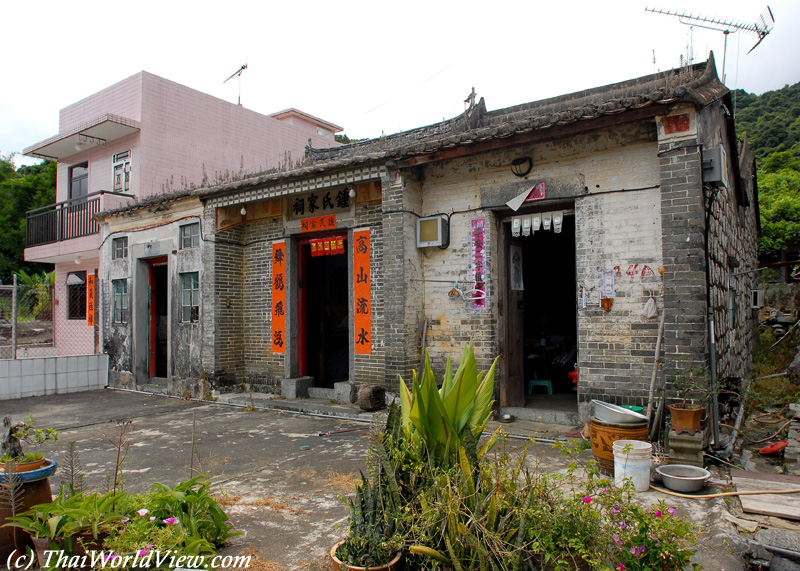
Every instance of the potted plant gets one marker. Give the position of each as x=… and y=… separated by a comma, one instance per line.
x=686, y=414
x=14, y=434
x=436, y=429
x=370, y=542
x=46, y=529
x=90, y=520
x=22, y=488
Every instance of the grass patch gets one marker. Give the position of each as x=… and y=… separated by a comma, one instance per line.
x=766, y=393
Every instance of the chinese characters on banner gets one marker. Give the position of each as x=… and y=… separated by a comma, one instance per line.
x=90, y=300
x=278, y=297
x=479, y=260
x=327, y=246
x=362, y=321
x=319, y=223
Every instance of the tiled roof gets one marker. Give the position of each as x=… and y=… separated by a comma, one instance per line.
x=697, y=84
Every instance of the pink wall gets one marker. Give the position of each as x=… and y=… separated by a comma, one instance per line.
x=123, y=98
x=185, y=131
x=72, y=337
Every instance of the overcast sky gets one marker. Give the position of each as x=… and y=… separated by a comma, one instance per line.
x=368, y=66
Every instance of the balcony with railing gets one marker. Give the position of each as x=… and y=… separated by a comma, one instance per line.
x=69, y=219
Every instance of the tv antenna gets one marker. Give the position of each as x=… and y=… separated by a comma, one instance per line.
x=761, y=28
x=238, y=72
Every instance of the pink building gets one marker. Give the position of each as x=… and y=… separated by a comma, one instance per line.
x=142, y=136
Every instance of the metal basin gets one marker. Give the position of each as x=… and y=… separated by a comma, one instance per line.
x=607, y=412
x=683, y=478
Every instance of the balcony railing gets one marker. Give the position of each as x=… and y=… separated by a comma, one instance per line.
x=65, y=220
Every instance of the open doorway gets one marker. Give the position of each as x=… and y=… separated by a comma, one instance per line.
x=158, y=301
x=542, y=321
x=323, y=315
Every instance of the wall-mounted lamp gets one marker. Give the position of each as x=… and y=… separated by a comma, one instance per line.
x=352, y=192
x=243, y=211
x=77, y=260
x=521, y=166
x=78, y=146
x=558, y=220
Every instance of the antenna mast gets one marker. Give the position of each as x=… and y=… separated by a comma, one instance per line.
x=238, y=72
x=761, y=28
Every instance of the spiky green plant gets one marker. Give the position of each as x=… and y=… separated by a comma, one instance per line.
x=442, y=417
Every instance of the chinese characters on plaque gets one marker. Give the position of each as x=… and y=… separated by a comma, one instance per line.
x=278, y=297
x=318, y=223
x=320, y=203
x=362, y=305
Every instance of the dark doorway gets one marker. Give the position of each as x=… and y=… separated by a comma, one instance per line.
x=323, y=316
x=158, y=299
x=543, y=317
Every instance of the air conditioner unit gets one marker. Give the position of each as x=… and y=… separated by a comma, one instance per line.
x=433, y=231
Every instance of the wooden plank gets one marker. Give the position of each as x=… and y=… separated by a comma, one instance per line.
x=793, y=481
x=785, y=506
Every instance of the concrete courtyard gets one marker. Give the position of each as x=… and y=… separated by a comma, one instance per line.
x=279, y=473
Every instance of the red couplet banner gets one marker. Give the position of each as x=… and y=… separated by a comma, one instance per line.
x=278, y=297
x=362, y=305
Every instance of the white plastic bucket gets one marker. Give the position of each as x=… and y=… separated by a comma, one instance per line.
x=633, y=464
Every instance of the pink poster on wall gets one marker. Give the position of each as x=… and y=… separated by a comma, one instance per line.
x=479, y=261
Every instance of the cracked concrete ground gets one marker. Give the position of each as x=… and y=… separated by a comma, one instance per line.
x=278, y=478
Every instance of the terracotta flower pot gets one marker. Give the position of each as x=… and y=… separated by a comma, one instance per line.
x=25, y=466
x=35, y=490
x=686, y=418
x=339, y=565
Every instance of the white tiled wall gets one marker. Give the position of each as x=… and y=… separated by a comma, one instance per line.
x=52, y=375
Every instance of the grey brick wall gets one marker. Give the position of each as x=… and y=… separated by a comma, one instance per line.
x=685, y=343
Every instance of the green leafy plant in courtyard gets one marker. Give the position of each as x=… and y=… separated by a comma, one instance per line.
x=14, y=434
x=450, y=503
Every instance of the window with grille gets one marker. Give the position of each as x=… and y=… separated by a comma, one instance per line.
x=190, y=236
x=119, y=292
x=119, y=248
x=190, y=297
x=122, y=172
x=76, y=295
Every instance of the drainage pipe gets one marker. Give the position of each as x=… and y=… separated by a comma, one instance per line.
x=712, y=344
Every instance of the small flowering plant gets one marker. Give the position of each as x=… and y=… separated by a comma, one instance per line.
x=649, y=537
x=623, y=534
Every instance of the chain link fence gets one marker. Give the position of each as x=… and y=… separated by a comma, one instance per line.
x=26, y=319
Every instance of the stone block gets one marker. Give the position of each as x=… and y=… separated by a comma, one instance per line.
x=685, y=448
x=344, y=393
x=296, y=388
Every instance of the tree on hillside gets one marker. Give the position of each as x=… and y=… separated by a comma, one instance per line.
x=23, y=189
x=770, y=120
